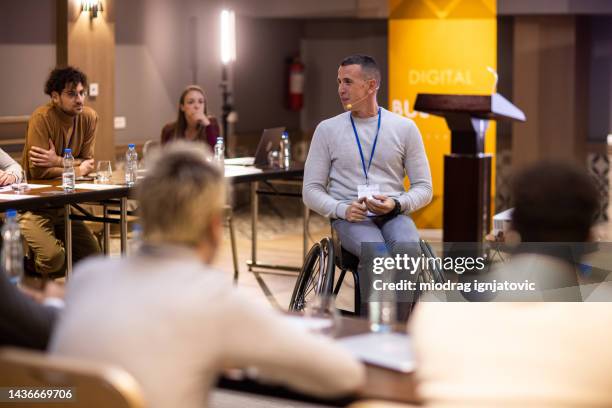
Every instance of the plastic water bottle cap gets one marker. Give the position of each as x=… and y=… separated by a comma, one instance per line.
x=11, y=213
x=67, y=150
x=285, y=134
x=131, y=145
x=220, y=139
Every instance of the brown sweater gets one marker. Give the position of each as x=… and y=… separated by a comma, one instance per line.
x=75, y=132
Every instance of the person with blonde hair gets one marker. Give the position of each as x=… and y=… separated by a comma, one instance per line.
x=171, y=320
x=193, y=122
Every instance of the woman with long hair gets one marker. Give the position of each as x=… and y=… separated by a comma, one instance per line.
x=193, y=122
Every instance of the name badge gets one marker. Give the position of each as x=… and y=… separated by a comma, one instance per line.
x=368, y=191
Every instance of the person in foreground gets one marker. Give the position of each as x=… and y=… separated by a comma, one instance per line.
x=27, y=316
x=173, y=321
x=193, y=122
x=523, y=354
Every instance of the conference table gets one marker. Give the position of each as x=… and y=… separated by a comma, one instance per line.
x=381, y=383
x=47, y=194
x=256, y=175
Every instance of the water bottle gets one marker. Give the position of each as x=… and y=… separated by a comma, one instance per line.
x=220, y=151
x=68, y=175
x=131, y=165
x=285, y=150
x=12, y=249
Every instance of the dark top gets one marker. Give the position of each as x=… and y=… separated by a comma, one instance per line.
x=23, y=322
x=207, y=134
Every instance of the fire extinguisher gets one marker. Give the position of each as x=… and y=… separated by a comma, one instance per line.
x=296, y=85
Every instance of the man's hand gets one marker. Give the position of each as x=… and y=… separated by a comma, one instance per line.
x=7, y=178
x=86, y=167
x=45, y=158
x=356, y=211
x=381, y=204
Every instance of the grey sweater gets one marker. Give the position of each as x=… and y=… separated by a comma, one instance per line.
x=7, y=164
x=333, y=168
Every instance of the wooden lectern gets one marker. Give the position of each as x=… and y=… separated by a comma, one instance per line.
x=467, y=169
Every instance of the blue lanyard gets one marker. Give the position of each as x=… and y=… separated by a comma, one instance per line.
x=365, y=171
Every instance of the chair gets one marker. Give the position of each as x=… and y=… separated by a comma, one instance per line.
x=379, y=404
x=95, y=385
x=317, y=273
x=345, y=261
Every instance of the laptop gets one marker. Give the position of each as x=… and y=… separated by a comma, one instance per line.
x=270, y=140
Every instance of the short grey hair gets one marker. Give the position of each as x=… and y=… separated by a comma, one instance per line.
x=180, y=195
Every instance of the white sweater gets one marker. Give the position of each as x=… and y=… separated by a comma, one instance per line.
x=174, y=324
x=333, y=169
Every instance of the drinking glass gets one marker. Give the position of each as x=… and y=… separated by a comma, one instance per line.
x=323, y=315
x=21, y=184
x=104, y=171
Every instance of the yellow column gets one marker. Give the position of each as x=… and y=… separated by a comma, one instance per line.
x=438, y=46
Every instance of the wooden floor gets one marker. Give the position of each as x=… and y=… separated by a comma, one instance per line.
x=280, y=242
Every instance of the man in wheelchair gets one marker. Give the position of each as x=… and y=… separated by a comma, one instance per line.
x=355, y=170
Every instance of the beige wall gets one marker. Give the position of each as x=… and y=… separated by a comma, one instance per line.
x=550, y=84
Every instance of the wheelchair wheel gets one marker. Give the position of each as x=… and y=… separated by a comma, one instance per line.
x=316, y=276
x=434, y=274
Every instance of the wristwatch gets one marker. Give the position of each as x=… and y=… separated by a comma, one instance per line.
x=397, y=209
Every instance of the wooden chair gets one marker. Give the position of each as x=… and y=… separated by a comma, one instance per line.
x=379, y=404
x=95, y=385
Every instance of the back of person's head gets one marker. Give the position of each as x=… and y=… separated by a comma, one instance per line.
x=368, y=66
x=62, y=76
x=182, y=196
x=554, y=202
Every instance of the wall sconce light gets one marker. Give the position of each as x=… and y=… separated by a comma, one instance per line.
x=93, y=6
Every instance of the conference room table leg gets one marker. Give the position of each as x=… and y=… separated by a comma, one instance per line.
x=68, y=240
x=254, y=220
x=123, y=224
x=106, y=231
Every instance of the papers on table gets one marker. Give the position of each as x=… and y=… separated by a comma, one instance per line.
x=389, y=350
x=311, y=324
x=91, y=186
x=8, y=197
x=240, y=161
x=233, y=171
x=30, y=186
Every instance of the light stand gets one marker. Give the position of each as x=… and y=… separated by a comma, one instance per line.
x=227, y=107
